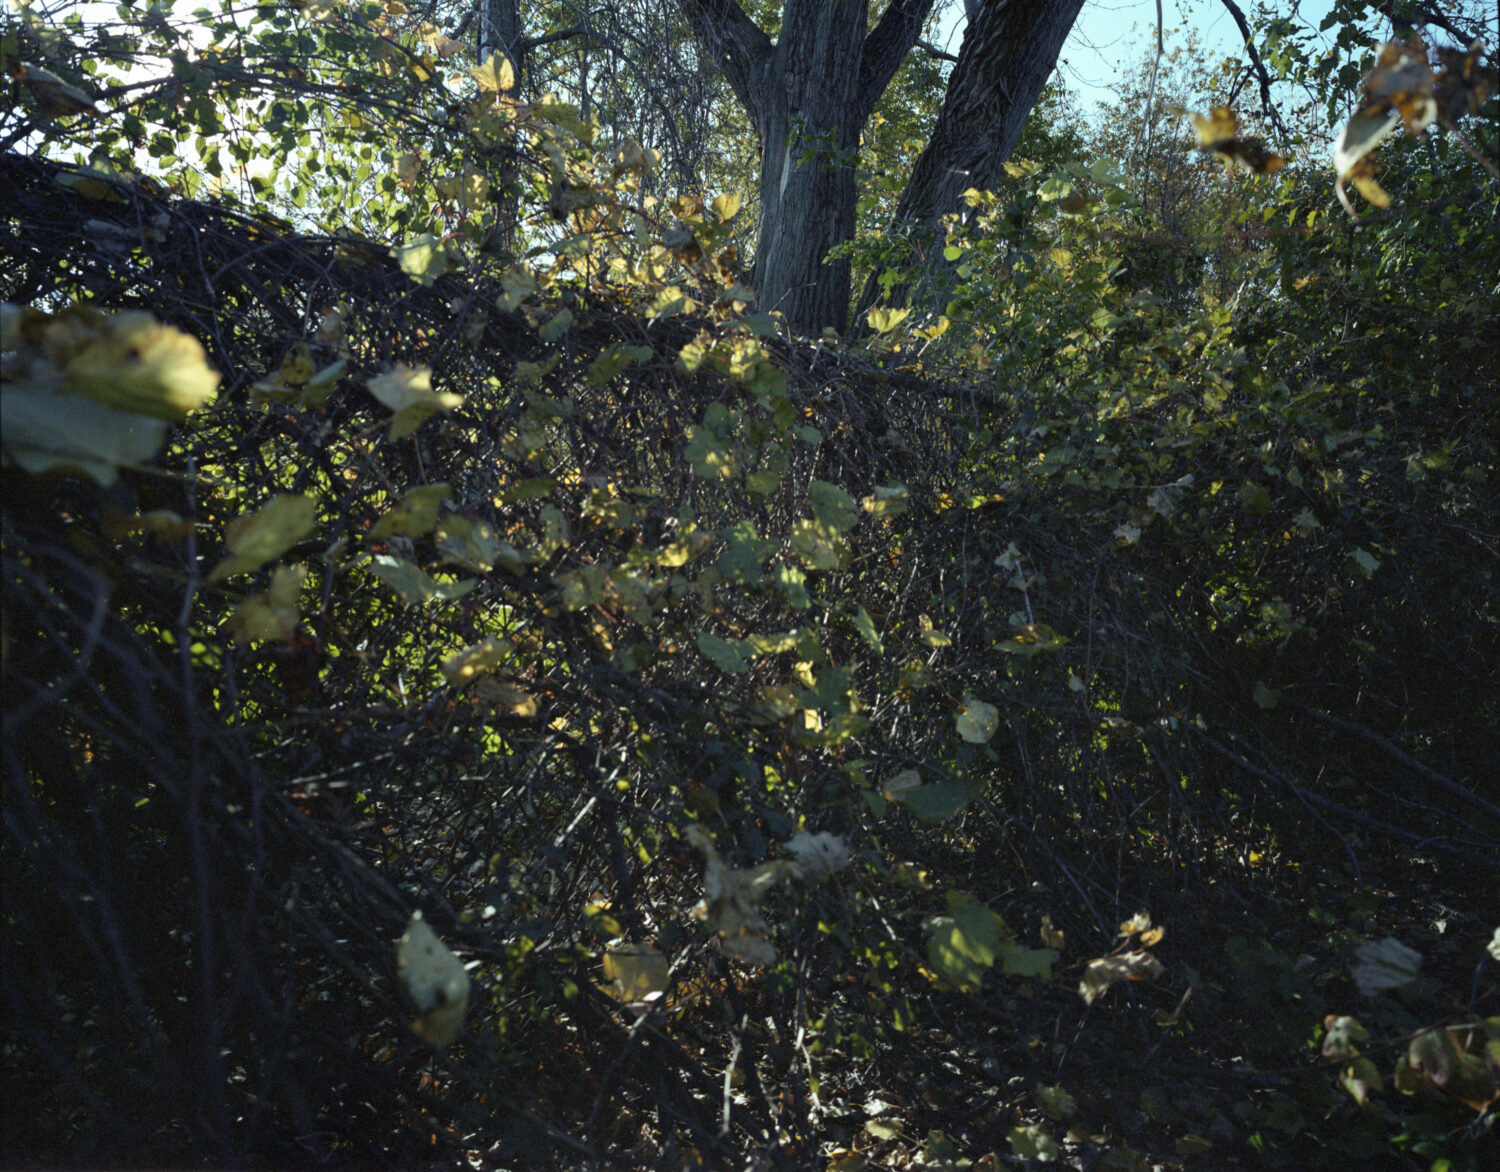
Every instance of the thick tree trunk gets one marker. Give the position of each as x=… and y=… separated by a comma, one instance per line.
x=808, y=96
x=1009, y=50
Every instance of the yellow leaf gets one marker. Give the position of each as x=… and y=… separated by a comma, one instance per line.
x=462, y=667
x=637, y=972
x=496, y=76
x=727, y=206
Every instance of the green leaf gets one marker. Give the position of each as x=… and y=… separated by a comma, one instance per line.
x=1364, y=563
x=1034, y=1143
x=473, y=545
x=415, y=515
x=43, y=430
x=979, y=721
x=866, y=627
x=517, y=285
x=1019, y=961
x=555, y=326
x=466, y=665
x=616, y=357
x=132, y=362
x=265, y=534
x=819, y=547
x=832, y=506
x=963, y=945
x=1266, y=697
x=938, y=802
x=436, y=981
x=741, y=562
x=670, y=302
x=422, y=258
x=793, y=585
x=414, y=586
x=711, y=457
x=407, y=391
x=886, y=502
x=726, y=656
x=273, y=614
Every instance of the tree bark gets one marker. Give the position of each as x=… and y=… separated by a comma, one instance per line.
x=1009, y=50
x=808, y=95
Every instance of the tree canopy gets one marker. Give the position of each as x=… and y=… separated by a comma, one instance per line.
x=678, y=583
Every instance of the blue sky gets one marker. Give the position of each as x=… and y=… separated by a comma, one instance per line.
x=1110, y=34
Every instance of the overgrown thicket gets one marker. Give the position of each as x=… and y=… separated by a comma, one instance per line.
x=778, y=732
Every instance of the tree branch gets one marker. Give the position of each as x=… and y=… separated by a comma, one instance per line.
x=734, y=42
x=886, y=47
x=933, y=51
x=1266, y=105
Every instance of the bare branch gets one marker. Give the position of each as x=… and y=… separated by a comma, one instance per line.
x=1266, y=105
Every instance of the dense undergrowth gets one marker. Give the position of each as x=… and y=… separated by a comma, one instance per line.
x=781, y=733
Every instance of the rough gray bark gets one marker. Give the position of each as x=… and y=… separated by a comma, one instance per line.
x=808, y=95
x=1009, y=50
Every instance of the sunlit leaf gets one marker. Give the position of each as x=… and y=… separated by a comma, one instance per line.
x=436, y=981
x=465, y=666
x=979, y=721
x=1106, y=970
x=407, y=391
x=423, y=258
x=266, y=534
x=636, y=972
x=1034, y=1142
x=885, y=320
x=505, y=697
x=414, y=586
x=415, y=515
x=272, y=614
x=963, y=945
x=886, y=502
x=726, y=206
x=496, y=76
x=1361, y=135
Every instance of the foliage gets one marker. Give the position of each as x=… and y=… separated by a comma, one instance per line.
x=478, y=692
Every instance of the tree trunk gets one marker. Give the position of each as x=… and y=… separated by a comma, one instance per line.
x=500, y=32
x=1009, y=50
x=808, y=96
